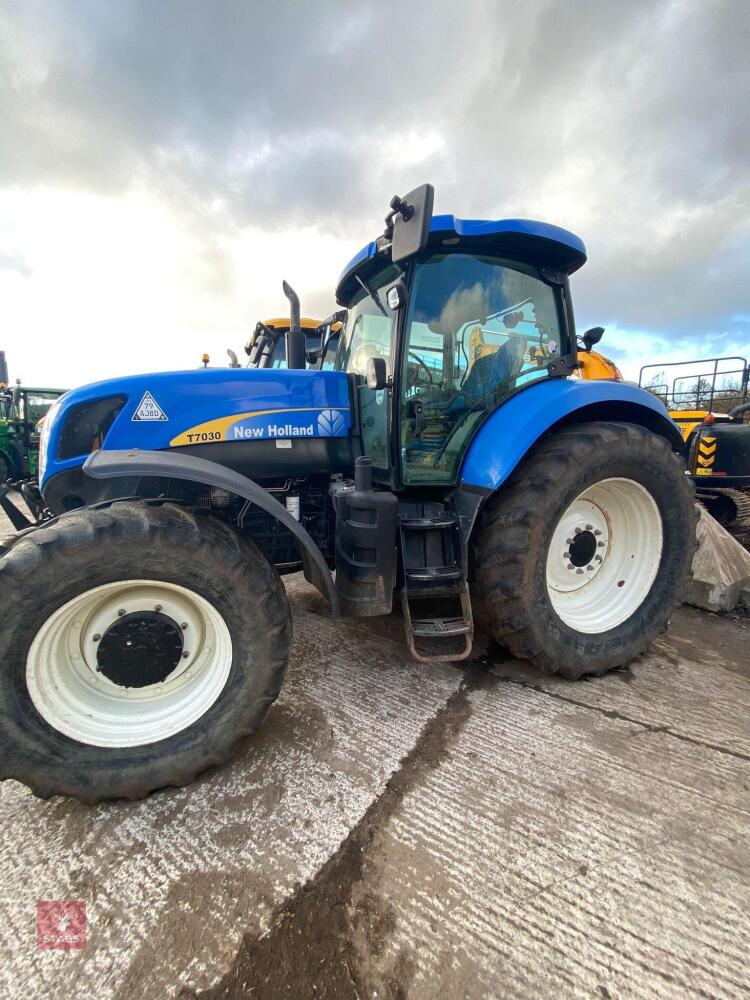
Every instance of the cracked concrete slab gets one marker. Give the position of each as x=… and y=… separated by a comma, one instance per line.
x=690, y=682
x=561, y=852
x=534, y=844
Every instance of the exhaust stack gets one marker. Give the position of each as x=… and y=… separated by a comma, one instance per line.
x=295, y=338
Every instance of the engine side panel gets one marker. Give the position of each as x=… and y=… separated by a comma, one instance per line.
x=230, y=407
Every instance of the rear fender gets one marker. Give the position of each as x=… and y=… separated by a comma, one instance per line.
x=106, y=464
x=515, y=426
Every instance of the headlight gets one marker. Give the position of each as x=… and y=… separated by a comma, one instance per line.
x=49, y=419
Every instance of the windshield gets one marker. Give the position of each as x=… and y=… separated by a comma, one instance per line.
x=479, y=328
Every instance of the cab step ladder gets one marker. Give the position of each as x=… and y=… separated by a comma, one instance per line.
x=434, y=573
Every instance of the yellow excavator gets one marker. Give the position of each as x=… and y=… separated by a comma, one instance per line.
x=710, y=406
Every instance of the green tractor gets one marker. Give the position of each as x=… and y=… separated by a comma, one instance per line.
x=22, y=411
x=448, y=464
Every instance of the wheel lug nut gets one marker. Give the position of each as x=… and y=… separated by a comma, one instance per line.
x=579, y=570
x=184, y=626
x=185, y=655
x=589, y=527
x=598, y=558
x=597, y=532
x=571, y=566
x=568, y=541
x=96, y=637
x=157, y=607
x=578, y=531
x=590, y=569
x=121, y=612
x=600, y=545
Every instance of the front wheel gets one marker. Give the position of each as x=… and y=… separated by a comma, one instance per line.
x=579, y=560
x=139, y=645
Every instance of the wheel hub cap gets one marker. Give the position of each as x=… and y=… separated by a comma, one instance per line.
x=140, y=649
x=582, y=549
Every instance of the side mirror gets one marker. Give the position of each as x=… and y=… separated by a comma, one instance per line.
x=410, y=219
x=592, y=336
x=376, y=374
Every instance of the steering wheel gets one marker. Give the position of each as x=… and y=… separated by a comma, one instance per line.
x=420, y=362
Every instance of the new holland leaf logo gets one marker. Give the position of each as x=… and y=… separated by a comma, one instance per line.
x=149, y=409
x=330, y=423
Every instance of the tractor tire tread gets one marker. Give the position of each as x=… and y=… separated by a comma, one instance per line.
x=40, y=554
x=515, y=519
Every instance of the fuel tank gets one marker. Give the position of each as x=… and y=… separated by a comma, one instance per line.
x=719, y=455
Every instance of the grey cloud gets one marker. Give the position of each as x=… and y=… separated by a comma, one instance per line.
x=15, y=262
x=628, y=121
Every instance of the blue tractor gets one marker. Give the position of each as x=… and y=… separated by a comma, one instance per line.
x=448, y=459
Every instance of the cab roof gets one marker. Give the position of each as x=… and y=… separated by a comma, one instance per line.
x=35, y=388
x=283, y=323
x=538, y=242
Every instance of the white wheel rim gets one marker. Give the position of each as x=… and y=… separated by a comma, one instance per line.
x=75, y=698
x=603, y=591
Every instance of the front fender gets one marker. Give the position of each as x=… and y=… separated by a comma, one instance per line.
x=506, y=436
x=174, y=465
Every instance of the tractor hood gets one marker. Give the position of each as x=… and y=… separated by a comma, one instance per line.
x=178, y=409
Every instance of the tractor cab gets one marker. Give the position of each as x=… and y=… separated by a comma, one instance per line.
x=22, y=408
x=266, y=348
x=478, y=313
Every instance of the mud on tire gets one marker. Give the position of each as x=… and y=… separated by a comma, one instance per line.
x=48, y=567
x=508, y=558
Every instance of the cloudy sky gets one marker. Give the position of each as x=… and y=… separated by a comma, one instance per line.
x=164, y=164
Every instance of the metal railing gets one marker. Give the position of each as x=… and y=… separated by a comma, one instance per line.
x=704, y=391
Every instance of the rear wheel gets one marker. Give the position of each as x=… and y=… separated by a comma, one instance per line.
x=140, y=644
x=579, y=560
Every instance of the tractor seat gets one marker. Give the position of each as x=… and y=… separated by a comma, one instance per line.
x=492, y=370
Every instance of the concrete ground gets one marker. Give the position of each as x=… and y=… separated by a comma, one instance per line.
x=402, y=831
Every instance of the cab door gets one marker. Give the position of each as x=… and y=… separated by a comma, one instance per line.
x=369, y=333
